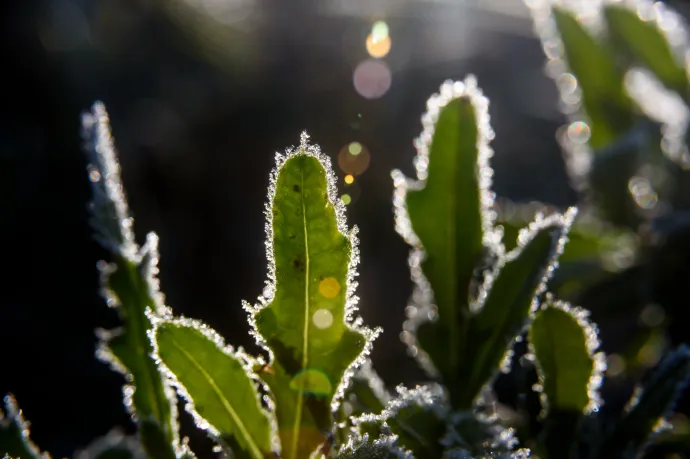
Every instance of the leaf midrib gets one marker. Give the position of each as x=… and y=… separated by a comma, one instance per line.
x=305, y=334
x=253, y=447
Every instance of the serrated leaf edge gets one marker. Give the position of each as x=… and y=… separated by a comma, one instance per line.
x=351, y=300
x=388, y=442
x=247, y=361
x=591, y=333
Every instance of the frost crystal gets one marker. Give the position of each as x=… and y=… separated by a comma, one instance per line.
x=352, y=322
x=248, y=364
x=422, y=307
x=115, y=439
x=357, y=446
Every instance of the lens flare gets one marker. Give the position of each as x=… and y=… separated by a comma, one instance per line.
x=378, y=48
x=372, y=78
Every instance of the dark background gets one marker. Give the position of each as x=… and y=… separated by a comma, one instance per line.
x=198, y=109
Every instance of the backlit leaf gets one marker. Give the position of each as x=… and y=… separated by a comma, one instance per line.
x=304, y=319
x=14, y=433
x=218, y=384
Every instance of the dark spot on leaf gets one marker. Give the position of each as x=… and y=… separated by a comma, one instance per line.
x=296, y=188
x=298, y=264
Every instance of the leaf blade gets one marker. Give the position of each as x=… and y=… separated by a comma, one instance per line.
x=510, y=300
x=305, y=321
x=216, y=382
x=14, y=433
x=446, y=217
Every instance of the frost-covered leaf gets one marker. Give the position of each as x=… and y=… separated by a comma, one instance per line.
x=446, y=215
x=14, y=433
x=304, y=319
x=652, y=402
x=217, y=383
x=598, y=81
x=114, y=445
x=564, y=343
x=128, y=284
x=474, y=434
x=379, y=448
x=635, y=27
x=416, y=417
x=507, y=300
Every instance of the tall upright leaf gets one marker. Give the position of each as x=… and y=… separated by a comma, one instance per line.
x=446, y=216
x=130, y=286
x=218, y=384
x=305, y=317
x=14, y=433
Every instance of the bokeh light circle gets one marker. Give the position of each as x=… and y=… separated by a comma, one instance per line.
x=378, y=48
x=353, y=164
x=372, y=78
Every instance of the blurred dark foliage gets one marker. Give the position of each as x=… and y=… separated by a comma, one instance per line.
x=197, y=116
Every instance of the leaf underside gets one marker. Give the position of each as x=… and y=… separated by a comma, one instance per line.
x=219, y=387
x=304, y=325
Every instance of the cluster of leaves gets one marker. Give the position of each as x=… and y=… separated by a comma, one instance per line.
x=480, y=288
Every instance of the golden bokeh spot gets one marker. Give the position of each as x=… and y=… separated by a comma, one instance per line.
x=378, y=48
x=329, y=287
x=349, y=179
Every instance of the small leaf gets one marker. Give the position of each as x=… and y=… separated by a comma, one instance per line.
x=416, y=417
x=14, y=433
x=217, y=383
x=609, y=109
x=564, y=342
x=647, y=43
x=570, y=373
x=509, y=295
x=128, y=284
x=305, y=317
x=366, y=392
x=652, y=401
x=446, y=216
x=476, y=434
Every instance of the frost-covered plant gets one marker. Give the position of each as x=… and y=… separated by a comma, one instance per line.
x=480, y=287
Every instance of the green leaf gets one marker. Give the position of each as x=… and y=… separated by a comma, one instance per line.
x=652, y=401
x=610, y=111
x=646, y=42
x=445, y=215
x=502, y=314
x=477, y=434
x=129, y=284
x=218, y=384
x=14, y=433
x=416, y=417
x=563, y=342
x=305, y=319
